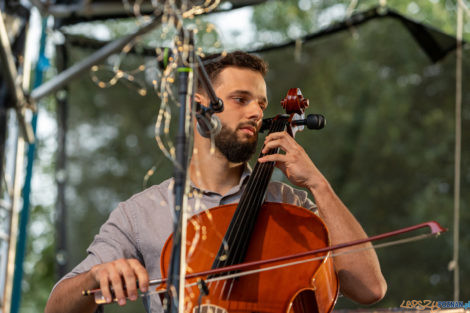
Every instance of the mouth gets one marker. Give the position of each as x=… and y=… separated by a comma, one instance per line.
x=248, y=128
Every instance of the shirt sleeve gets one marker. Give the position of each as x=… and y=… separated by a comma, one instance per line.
x=281, y=192
x=115, y=240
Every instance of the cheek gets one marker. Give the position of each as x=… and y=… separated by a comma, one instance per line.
x=230, y=117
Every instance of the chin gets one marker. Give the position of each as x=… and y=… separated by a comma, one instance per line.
x=250, y=139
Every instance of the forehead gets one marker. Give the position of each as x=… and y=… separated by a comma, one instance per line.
x=236, y=78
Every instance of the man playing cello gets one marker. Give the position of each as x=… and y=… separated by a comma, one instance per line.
x=129, y=244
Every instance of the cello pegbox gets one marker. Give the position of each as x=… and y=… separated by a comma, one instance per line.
x=294, y=102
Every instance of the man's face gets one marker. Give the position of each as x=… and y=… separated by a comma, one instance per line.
x=243, y=92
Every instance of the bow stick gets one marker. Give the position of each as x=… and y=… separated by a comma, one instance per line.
x=434, y=227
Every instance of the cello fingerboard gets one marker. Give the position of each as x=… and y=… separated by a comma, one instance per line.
x=235, y=243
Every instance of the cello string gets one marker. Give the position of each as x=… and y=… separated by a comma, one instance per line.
x=252, y=205
x=245, y=215
x=239, y=217
x=231, y=287
x=232, y=233
x=261, y=181
x=266, y=173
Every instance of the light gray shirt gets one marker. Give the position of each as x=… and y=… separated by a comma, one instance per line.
x=139, y=227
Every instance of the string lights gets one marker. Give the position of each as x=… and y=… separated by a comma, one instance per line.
x=163, y=72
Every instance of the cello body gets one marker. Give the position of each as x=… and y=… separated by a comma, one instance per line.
x=280, y=229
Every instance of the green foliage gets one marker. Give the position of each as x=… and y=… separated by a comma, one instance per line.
x=387, y=148
x=291, y=18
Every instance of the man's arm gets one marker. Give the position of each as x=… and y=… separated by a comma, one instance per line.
x=359, y=272
x=121, y=274
x=360, y=276
x=67, y=297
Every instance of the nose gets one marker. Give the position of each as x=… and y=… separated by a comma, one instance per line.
x=255, y=112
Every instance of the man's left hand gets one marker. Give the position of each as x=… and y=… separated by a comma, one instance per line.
x=295, y=163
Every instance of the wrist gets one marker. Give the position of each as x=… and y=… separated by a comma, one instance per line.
x=316, y=186
x=92, y=277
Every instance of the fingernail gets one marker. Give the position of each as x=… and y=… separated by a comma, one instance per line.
x=144, y=289
x=122, y=301
x=133, y=297
x=108, y=299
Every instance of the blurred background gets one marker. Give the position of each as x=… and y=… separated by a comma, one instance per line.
x=383, y=73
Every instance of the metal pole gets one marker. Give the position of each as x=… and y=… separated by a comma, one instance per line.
x=9, y=75
x=20, y=145
x=458, y=150
x=3, y=131
x=74, y=71
x=61, y=176
x=23, y=231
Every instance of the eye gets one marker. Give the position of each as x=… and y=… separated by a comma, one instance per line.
x=241, y=100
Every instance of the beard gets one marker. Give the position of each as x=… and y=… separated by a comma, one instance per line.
x=235, y=150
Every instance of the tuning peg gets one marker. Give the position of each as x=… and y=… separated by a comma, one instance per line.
x=313, y=121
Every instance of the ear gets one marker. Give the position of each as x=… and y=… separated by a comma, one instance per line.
x=201, y=98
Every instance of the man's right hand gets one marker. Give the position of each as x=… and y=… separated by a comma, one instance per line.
x=122, y=275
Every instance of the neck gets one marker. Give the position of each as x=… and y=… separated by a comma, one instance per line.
x=211, y=171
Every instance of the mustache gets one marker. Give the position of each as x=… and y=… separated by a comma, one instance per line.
x=249, y=123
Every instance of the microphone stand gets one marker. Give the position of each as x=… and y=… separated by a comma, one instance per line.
x=174, y=299
x=216, y=104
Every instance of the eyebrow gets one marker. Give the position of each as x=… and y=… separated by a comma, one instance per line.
x=247, y=93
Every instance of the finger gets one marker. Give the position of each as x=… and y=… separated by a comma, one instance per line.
x=286, y=143
x=278, y=158
x=116, y=283
x=279, y=135
x=276, y=135
x=283, y=144
x=104, y=285
x=129, y=280
x=141, y=274
x=271, y=145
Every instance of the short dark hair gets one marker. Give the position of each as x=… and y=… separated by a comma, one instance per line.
x=215, y=63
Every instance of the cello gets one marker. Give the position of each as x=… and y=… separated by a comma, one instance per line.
x=257, y=230
x=279, y=233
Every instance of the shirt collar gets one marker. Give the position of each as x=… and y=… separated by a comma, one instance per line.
x=243, y=179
